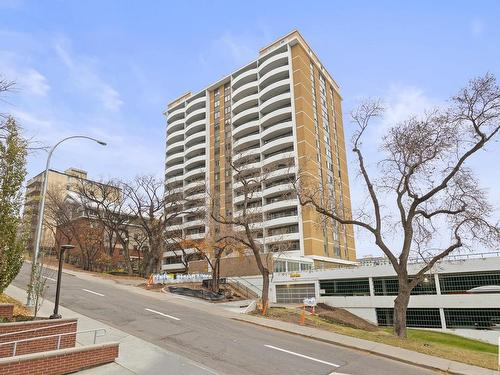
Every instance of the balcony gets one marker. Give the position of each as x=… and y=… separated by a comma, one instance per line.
x=196, y=104
x=275, y=89
x=245, y=116
x=174, y=168
x=245, y=103
x=285, y=220
x=194, y=223
x=175, y=114
x=247, y=128
x=245, y=90
x=195, y=172
x=175, y=126
x=247, y=167
x=250, y=211
x=194, y=139
x=245, y=77
x=290, y=170
x=273, y=76
x=283, y=237
x=173, y=179
x=252, y=196
x=196, y=236
x=173, y=267
x=276, y=116
x=175, y=136
x=281, y=188
x=194, y=184
x=243, y=154
x=273, y=62
x=195, y=161
x=194, y=148
x=246, y=141
x=196, y=115
x=275, y=103
x=277, y=129
x=175, y=148
x=175, y=227
x=174, y=159
x=280, y=156
x=195, y=127
x=287, y=203
x=277, y=144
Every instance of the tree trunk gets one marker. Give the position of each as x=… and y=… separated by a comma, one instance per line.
x=265, y=290
x=400, y=308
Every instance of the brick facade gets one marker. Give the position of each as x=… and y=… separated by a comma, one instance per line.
x=60, y=362
x=38, y=328
x=6, y=311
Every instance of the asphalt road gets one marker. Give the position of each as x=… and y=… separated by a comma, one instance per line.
x=195, y=332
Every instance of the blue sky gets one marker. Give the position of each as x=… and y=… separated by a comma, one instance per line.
x=107, y=68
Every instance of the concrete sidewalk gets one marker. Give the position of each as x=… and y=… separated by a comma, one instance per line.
x=388, y=351
x=136, y=356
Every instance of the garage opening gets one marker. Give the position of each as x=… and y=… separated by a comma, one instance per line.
x=294, y=293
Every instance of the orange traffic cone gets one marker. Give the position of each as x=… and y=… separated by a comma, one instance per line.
x=303, y=316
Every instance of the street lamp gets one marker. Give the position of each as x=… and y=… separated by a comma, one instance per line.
x=56, y=314
x=41, y=209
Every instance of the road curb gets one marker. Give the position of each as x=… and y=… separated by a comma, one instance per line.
x=474, y=370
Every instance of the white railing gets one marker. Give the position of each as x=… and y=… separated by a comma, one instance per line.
x=58, y=335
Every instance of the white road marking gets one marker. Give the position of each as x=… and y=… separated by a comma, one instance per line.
x=91, y=291
x=50, y=278
x=162, y=314
x=302, y=356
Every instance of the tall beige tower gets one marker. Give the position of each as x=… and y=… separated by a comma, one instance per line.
x=279, y=114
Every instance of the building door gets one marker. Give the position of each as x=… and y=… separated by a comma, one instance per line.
x=294, y=293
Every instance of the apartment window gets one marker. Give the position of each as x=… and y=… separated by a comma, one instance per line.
x=345, y=287
x=216, y=103
x=283, y=230
x=415, y=317
x=305, y=266
x=293, y=266
x=280, y=266
x=172, y=260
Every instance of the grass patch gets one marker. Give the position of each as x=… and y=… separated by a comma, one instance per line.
x=433, y=343
x=451, y=340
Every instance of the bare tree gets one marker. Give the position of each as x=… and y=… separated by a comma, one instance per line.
x=104, y=201
x=244, y=227
x=69, y=220
x=426, y=180
x=155, y=210
x=212, y=248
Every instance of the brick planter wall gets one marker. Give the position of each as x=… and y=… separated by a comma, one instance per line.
x=44, y=328
x=6, y=310
x=59, y=362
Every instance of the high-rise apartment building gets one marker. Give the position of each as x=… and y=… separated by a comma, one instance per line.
x=274, y=117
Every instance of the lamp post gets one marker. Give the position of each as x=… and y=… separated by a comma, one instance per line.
x=56, y=314
x=41, y=209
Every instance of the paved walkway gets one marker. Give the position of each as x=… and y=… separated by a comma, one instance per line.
x=388, y=351
x=136, y=356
